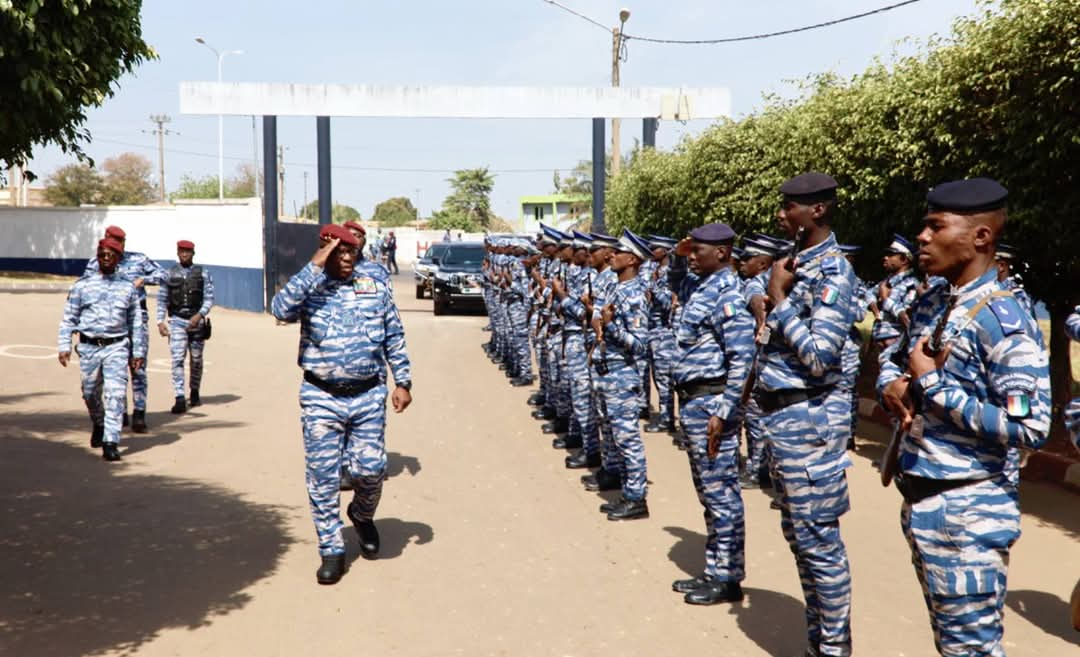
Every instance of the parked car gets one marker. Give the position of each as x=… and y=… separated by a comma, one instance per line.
x=425, y=268
x=457, y=282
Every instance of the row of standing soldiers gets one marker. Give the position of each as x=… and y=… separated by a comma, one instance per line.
x=772, y=352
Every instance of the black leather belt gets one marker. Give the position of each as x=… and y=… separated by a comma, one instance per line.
x=774, y=400
x=100, y=342
x=916, y=489
x=351, y=389
x=700, y=388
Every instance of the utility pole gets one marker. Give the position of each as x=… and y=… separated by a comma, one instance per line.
x=281, y=179
x=161, y=120
x=255, y=156
x=304, y=207
x=616, y=58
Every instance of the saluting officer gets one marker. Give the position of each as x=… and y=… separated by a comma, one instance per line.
x=805, y=410
x=103, y=308
x=366, y=265
x=349, y=330
x=188, y=295
x=970, y=387
x=715, y=343
x=141, y=271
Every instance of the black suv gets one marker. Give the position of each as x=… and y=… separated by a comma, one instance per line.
x=457, y=281
x=425, y=268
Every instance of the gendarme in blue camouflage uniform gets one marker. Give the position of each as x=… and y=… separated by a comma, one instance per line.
x=1072, y=411
x=187, y=295
x=103, y=308
x=895, y=294
x=350, y=330
x=970, y=386
x=804, y=408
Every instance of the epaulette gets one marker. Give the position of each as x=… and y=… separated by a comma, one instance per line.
x=830, y=265
x=1008, y=312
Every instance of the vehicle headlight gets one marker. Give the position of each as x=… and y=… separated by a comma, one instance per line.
x=442, y=277
x=455, y=280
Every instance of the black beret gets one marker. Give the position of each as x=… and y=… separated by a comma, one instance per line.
x=971, y=195
x=713, y=234
x=812, y=185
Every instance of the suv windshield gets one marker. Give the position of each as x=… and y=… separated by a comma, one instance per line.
x=435, y=251
x=472, y=254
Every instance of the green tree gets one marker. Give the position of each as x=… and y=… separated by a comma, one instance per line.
x=339, y=213
x=60, y=58
x=191, y=187
x=470, y=196
x=448, y=219
x=242, y=184
x=396, y=211
x=127, y=180
x=73, y=185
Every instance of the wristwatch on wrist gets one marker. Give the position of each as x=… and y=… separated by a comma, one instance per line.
x=405, y=384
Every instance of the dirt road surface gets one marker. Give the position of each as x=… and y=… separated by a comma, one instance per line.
x=200, y=541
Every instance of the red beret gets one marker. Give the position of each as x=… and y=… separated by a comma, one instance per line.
x=185, y=244
x=355, y=225
x=110, y=243
x=115, y=231
x=330, y=231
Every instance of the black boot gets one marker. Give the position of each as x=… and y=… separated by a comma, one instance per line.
x=195, y=401
x=544, y=413
x=110, y=452
x=628, y=510
x=567, y=442
x=125, y=419
x=658, y=426
x=331, y=570
x=581, y=460
x=643, y=414
x=602, y=480
x=558, y=425
x=715, y=593
x=536, y=399
x=366, y=532
x=344, y=479
x=688, y=585
x=521, y=381
x=138, y=421
x=179, y=405
x=97, y=435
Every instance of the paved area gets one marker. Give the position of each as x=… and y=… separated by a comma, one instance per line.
x=200, y=541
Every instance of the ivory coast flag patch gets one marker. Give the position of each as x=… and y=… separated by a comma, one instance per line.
x=829, y=295
x=728, y=309
x=1019, y=405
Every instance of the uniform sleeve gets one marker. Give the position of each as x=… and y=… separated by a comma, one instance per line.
x=661, y=294
x=733, y=327
x=70, y=321
x=162, y=302
x=629, y=329
x=1019, y=373
x=898, y=299
x=151, y=272
x=91, y=268
x=818, y=342
x=394, y=345
x=287, y=303
x=888, y=370
x=208, y=293
x=1072, y=325
x=136, y=329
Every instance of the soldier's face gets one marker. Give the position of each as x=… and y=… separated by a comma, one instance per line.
x=893, y=262
x=581, y=257
x=703, y=258
x=341, y=261
x=107, y=260
x=360, y=236
x=621, y=260
x=1003, y=268
x=947, y=243
x=754, y=265
x=185, y=256
x=792, y=216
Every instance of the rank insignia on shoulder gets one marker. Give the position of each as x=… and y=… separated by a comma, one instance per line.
x=364, y=285
x=1018, y=404
x=1008, y=316
x=829, y=295
x=830, y=265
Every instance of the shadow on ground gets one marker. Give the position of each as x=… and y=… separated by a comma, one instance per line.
x=397, y=464
x=94, y=559
x=1045, y=611
x=394, y=536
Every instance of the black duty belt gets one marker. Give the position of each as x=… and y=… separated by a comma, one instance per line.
x=700, y=388
x=351, y=389
x=916, y=489
x=774, y=400
x=142, y=303
x=183, y=313
x=100, y=342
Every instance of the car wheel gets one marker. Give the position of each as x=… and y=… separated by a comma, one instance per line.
x=419, y=291
x=440, y=306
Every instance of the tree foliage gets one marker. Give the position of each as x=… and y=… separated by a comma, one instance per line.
x=60, y=58
x=339, y=213
x=396, y=211
x=240, y=185
x=1000, y=97
x=73, y=185
x=127, y=180
x=469, y=202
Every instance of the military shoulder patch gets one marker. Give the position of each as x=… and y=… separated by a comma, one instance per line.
x=728, y=309
x=1009, y=315
x=829, y=295
x=831, y=265
x=364, y=285
x=1018, y=404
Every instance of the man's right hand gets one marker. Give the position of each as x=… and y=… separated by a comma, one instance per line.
x=323, y=254
x=897, y=399
x=558, y=287
x=163, y=329
x=64, y=357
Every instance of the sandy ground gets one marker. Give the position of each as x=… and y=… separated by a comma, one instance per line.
x=200, y=540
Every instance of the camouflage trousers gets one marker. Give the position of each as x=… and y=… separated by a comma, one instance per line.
x=621, y=392
x=583, y=414
x=756, y=448
x=181, y=345
x=519, y=332
x=960, y=542
x=717, y=484
x=661, y=357
x=104, y=372
x=808, y=443
x=139, y=382
x=558, y=391
x=337, y=429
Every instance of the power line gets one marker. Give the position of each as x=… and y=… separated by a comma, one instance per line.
x=749, y=37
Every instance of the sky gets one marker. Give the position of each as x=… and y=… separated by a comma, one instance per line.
x=468, y=42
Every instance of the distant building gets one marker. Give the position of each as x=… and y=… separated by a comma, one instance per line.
x=558, y=210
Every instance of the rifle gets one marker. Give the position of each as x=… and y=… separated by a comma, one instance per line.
x=762, y=337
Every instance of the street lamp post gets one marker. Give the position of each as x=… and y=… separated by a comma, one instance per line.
x=220, y=119
x=616, y=57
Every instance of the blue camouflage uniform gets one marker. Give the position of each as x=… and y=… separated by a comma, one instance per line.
x=645, y=273
x=104, y=309
x=579, y=338
x=805, y=415
x=349, y=331
x=183, y=339
x=1072, y=411
x=661, y=343
x=134, y=265
x=625, y=347
x=714, y=345
x=604, y=284
x=517, y=296
x=757, y=461
x=901, y=295
x=959, y=464
x=1014, y=284
x=851, y=358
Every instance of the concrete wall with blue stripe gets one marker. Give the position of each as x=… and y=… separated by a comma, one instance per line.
x=228, y=241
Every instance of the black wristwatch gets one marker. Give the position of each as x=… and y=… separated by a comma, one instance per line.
x=405, y=384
